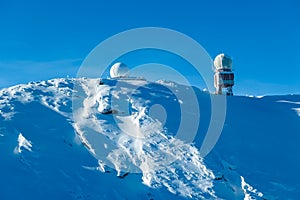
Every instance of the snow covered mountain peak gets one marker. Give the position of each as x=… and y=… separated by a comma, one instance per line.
x=78, y=139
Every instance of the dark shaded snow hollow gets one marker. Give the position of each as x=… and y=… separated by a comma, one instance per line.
x=76, y=139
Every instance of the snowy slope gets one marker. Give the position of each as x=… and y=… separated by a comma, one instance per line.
x=55, y=143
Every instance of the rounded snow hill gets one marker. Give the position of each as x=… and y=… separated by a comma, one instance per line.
x=50, y=133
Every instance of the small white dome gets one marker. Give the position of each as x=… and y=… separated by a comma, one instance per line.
x=222, y=61
x=119, y=70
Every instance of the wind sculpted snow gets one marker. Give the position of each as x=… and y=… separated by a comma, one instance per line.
x=76, y=139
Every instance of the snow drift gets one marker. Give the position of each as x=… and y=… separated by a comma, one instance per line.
x=62, y=139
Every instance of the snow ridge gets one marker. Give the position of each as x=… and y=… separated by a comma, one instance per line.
x=141, y=145
x=114, y=121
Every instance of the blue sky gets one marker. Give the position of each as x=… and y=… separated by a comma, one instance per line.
x=47, y=39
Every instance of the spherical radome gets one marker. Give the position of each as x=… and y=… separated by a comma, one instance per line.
x=119, y=70
x=222, y=61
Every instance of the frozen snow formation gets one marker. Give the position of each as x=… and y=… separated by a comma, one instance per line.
x=76, y=139
x=23, y=143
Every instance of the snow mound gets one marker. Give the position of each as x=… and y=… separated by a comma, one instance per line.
x=118, y=141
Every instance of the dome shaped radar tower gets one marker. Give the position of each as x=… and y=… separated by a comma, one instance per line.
x=119, y=70
x=224, y=77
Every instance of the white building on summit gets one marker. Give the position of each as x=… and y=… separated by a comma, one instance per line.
x=224, y=77
x=119, y=70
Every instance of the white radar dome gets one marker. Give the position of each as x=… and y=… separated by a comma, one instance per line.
x=119, y=70
x=222, y=61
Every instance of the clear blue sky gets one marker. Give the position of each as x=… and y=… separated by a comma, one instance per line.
x=47, y=39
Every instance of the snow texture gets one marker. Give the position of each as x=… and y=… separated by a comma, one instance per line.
x=23, y=143
x=76, y=139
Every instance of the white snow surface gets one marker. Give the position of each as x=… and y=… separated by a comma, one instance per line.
x=23, y=143
x=80, y=153
x=297, y=110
